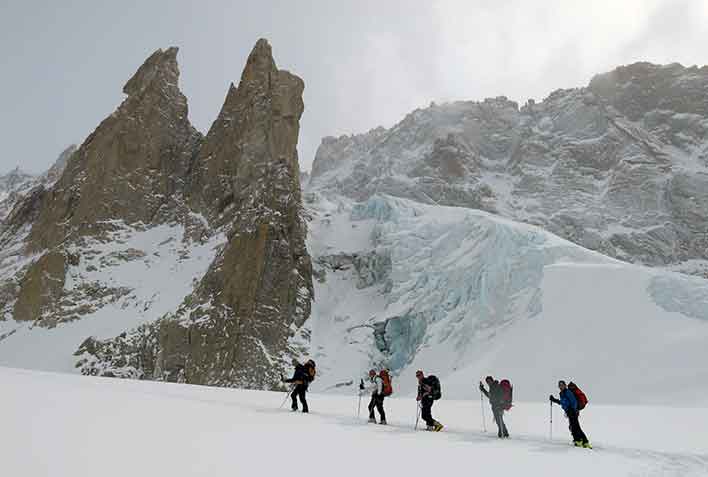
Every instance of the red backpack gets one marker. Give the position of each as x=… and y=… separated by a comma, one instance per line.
x=579, y=395
x=386, y=380
x=507, y=392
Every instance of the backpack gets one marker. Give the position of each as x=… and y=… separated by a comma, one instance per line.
x=387, y=389
x=506, y=393
x=311, y=371
x=435, y=392
x=579, y=395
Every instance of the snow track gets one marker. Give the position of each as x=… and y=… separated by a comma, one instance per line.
x=94, y=426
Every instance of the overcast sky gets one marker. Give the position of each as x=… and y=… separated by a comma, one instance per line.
x=365, y=63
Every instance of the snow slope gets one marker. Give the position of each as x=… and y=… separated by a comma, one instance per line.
x=94, y=426
x=136, y=277
x=462, y=293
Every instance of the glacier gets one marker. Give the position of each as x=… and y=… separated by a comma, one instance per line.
x=469, y=293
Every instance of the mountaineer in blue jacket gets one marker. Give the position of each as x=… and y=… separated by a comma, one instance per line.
x=569, y=403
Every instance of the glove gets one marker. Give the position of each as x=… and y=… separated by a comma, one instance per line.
x=417, y=398
x=361, y=385
x=551, y=398
x=282, y=379
x=481, y=386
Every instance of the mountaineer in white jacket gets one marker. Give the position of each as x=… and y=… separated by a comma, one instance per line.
x=374, y=385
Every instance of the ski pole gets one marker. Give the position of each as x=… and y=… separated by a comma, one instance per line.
x=481, y=404
x=417, y=415
x=551, y=425
x=292, y=388
x=358, y=409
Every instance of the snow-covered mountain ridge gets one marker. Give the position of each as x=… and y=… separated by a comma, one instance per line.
x=163, y=254
x=619, y=166
x=16, y=184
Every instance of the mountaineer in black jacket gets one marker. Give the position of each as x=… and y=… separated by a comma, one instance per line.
x=428, y=393
x=496, y=400
x=302, y=377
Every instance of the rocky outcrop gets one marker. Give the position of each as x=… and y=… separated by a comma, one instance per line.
x=132, y=168
x=55, y=172
x=17, y=185
x=131, y=355
x=234, y=329
x=23, y=214
x=131, y=171
x=371, y=268
x=641, y=88
x=41, y=288
x=620, y=166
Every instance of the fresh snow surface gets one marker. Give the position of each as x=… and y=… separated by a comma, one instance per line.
x=64, y=425
x=156, y=267
x=473, y=294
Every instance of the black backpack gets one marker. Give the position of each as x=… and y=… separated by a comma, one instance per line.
x=435, y=391
x=310, y=370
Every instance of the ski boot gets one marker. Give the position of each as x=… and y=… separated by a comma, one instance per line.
x=587, y=445
x=372, y=420
x=438, y=427
x=383, y=422
x=578, y=443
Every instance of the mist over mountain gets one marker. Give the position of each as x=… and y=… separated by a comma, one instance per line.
x=619, y=166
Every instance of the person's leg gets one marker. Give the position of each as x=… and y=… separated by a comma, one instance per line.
x=574, y=426
x=430, y=412
x=293, y=396
x=505, y=431
x=496, y=412
x=372, y=405
x=380, y=408
x=425, y=413
x=303, y=398
x=581, y=434
x=436, y=425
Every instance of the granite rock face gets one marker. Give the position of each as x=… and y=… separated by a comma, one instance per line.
x=132, y=168
x=234, y=329
x=129, y=172
x=620, y=166
x=236, y=325
x=146, y=190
